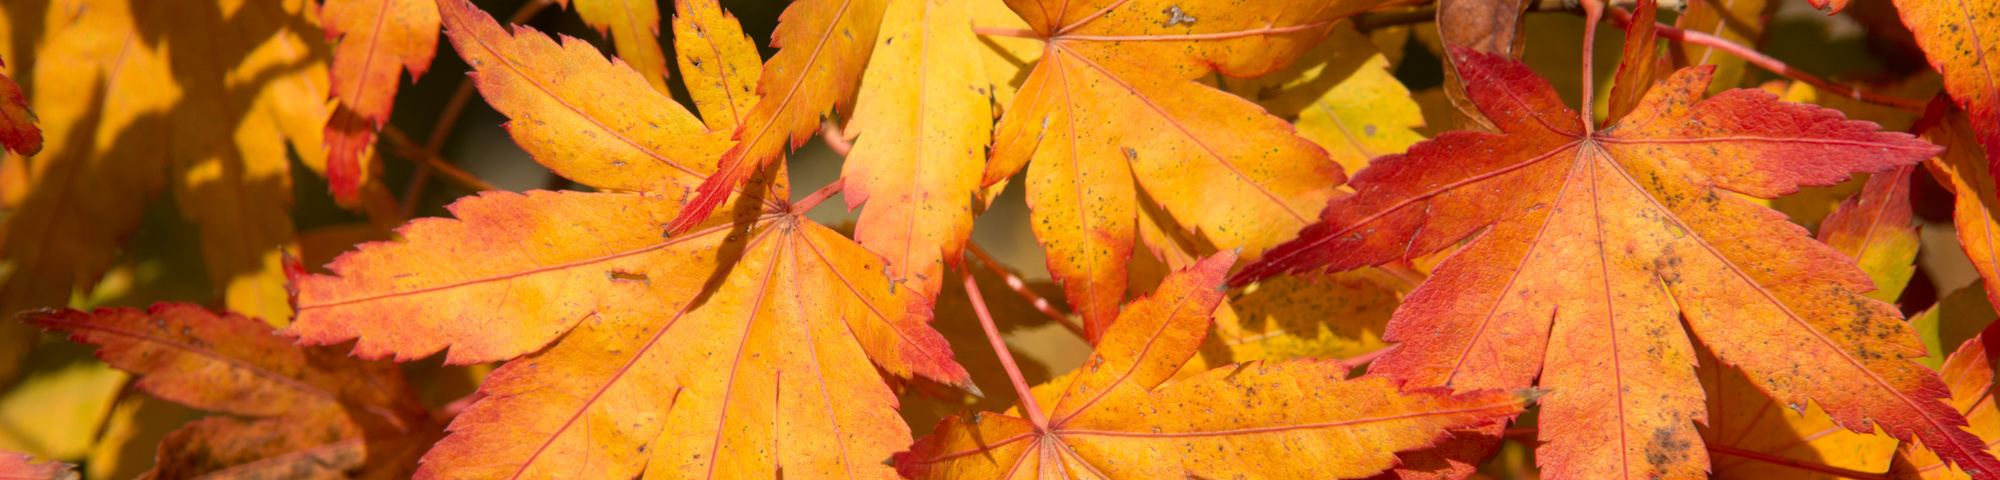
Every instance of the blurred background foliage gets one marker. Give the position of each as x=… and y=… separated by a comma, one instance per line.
x=65, y=405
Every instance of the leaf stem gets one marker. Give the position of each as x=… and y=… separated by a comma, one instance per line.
x=835, y=139
x=451, y=410
x=425, y=159
x=1370, y=21
x=1772, y=64
x=1007, y=32
x=448, y=118
x=1020, y=287
x=1402, y=271
x=806, y=204
x=1021, y=389
x=1363, y=359
x=1749, y=454
x=1593, y=11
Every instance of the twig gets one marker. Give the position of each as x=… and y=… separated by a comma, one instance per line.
x=1375, y=20
x=451, y=410
x=1593, y=10
x=448, y=118
x=1531, y=432
x=407, y=149
x=1007, y=32
x=835, y=139
x=806, y=204
x=1021, y=389
x=1363, y=359
x=1020, y=287
x=1772, y=64
x=1402, y=271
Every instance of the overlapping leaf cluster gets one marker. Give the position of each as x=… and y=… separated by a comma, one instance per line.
x=1232, y=197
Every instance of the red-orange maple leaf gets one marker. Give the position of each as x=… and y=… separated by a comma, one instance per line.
x=1590, y=248
x=1961, y=38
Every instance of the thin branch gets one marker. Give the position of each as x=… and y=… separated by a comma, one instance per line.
x=451, y=410
x=448, y=118
x=1376, y=20
x=1021, y=389
x=1402, y=271
x=1007, y=32
x=835, y=139
x=1772, y=64
x=1020, y=287
x=1531, y=432
x=1593, y=11
x=806, y=204
x=1363, y=359
x=407, y=149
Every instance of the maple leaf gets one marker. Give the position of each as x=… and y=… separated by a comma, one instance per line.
x=1594, y=247
x=1963, y=170
x=17, y=122
x=1958, y=316
x=1110, y=115
x=720, y=63
x=1317, y=316
x=377, y=40
x=1636, y=72
x=1113, y=419
x=1877, y=229
x=126, y=90
x=823, y=45
x=922, y=118
x=1344, y=98
x=19, y=466
x=753, y=336
x=308, y=406
x=230, y=171
x=1961, y=38
x=1969, y=371
x=634, y=27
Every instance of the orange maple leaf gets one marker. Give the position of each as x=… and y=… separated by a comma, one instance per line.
x=634, y=27
x=1963, y=170
x=1591, y=247
x=1961, y=38
x=753, y=335
x=1112, y=418
x=1111, y=119
x=311, y=409
x=923, y=117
